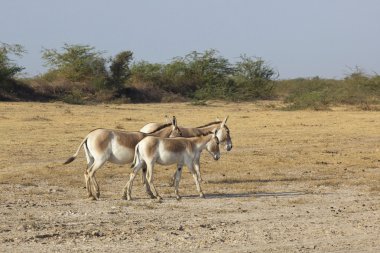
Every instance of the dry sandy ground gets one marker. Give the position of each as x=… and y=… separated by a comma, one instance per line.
x=294, y=182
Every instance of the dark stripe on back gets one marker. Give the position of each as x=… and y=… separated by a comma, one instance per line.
x=209, y=124
x=202, y=134
x=161, y=127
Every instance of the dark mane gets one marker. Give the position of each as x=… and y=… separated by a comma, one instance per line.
x=211, y=123
x=205, y=134
x=198, y=135
x=202, y=134
x=161, y=127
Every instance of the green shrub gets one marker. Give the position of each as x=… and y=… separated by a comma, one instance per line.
x=316, y=100
x=254, y=79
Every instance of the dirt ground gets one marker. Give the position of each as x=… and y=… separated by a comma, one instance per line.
x=301, y=181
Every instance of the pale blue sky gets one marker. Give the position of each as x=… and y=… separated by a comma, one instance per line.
x=300, y=38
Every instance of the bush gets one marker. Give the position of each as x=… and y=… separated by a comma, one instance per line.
x=211, y=74
x=316, y=100
x=254, y=79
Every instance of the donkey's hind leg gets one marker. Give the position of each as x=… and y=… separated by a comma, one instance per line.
x=94, y=187
x=150, y=166
x=176, y=181
x=144, y=180
x=90, y=164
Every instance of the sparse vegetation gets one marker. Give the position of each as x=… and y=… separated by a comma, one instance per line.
x=358, y=88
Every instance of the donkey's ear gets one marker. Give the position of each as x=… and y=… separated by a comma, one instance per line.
x=166, y=118
x=224, y=121
x=217, y=118
x=174, y=121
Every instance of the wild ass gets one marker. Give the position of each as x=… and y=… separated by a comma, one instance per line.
x=223, y=135
x=165, y=151
x=102, y=145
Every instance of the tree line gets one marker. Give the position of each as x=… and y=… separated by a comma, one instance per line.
x=198, y=75
x=81, y=74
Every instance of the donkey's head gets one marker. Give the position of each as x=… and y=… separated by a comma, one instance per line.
x=213, y=145
x=224, y=134
x=176, y=132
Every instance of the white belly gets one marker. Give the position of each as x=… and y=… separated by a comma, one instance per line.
x=121, y=155
x=169, y=158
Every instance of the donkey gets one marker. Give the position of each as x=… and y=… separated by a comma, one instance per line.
x=102, y=145
x=165, y=151
x=223, y=135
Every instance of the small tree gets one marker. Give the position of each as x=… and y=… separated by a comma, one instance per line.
x=119, y=68
x=77, y=63
x=210, y=74
x=8, y=69
x=254, y=78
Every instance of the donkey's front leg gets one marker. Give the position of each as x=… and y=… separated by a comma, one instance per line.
x=197, y=168
x=127, y=191
x=195, y=176
x=172, y=179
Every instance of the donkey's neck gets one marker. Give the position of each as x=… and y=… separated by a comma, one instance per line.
x=201, y=141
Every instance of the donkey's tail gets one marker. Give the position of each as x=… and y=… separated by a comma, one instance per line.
x=76, y=153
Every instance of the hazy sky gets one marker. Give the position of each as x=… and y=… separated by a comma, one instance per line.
x=299, y=38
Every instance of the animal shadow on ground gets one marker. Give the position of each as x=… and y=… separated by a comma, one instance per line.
x=247, y=195
x=250, y=193
x=237, y=181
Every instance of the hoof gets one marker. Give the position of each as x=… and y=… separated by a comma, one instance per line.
x=202, y=195
x=151, y=195
x=92, y=198
x=171, y=183
x=178, y=198
x=159, y=199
